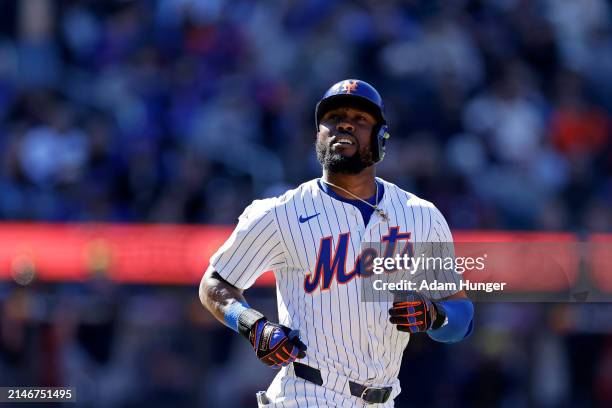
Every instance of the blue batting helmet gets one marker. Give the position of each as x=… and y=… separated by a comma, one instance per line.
x=364, y=96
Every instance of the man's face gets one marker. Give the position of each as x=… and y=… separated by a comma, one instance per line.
x=344, y=140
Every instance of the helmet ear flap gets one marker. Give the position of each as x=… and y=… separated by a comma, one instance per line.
x=380, y=142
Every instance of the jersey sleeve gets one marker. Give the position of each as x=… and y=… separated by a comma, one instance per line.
x=253, y=248
x=439, y=245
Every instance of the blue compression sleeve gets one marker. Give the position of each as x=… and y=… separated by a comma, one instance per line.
x=460, y=314
x=232, y=313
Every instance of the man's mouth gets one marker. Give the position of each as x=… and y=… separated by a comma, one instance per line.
x=343, y=141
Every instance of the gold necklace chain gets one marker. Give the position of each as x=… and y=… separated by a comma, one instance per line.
x=379, y=211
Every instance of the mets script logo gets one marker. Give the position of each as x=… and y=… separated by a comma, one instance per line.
x=332, y=265
x=348, y=86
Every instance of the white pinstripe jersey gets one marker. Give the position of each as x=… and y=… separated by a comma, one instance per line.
x=343, y=334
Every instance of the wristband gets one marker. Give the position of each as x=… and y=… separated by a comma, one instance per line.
x=247, y=320
x=232, y=312
x=441, y=318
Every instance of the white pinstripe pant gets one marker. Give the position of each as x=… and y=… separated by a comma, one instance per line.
x=289, y=391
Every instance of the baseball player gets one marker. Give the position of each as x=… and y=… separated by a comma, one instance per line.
x=332, y=347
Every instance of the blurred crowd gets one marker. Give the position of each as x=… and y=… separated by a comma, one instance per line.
x=184, y=110
x=127, y=347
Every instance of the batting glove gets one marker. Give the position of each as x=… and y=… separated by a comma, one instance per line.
x=414, y=313
x=275, y=345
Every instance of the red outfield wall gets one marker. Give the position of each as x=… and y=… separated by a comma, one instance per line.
x=178, y=254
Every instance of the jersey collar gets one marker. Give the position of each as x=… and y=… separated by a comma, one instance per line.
x=365, y=210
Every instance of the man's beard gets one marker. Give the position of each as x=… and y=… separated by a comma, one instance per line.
x=335, y=162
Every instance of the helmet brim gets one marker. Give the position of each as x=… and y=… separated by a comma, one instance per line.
x=351, y=101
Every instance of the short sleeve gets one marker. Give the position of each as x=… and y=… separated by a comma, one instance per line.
x=253, y=248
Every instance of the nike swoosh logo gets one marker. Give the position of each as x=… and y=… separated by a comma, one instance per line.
x=304, y=219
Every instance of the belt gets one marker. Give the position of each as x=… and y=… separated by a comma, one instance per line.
x=370, y=395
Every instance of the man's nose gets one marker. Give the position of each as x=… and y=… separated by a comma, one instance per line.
x=345, y=125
